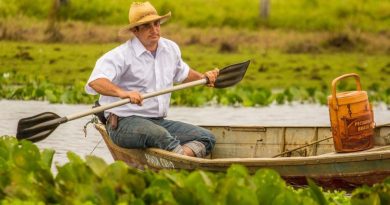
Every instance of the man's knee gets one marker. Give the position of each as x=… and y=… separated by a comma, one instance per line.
x=208, y=139
x=202, y=145
x=163, y=140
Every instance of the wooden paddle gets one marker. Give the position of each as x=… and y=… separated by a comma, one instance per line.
x=40, y=126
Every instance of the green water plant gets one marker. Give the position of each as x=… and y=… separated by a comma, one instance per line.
x=27, y=177
x=41, y=88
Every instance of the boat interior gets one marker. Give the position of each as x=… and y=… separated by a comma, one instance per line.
x=289, y=141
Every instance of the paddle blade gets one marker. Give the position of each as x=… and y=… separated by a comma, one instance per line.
x=38, y=127
x=231, y=75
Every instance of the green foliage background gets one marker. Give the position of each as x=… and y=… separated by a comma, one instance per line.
x=368, y=15
x=344, y=36
x=26, y=178
x=55, y=72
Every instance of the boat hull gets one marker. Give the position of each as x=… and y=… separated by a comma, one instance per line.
x=330, y=170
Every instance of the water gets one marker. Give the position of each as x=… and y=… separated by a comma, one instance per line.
x=70, y=136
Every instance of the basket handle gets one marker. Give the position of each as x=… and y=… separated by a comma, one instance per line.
x=334, y=86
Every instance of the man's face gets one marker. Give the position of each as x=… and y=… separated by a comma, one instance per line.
x=149, y=33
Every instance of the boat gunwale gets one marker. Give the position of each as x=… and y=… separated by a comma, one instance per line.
x=279, y=126
x=336, y=158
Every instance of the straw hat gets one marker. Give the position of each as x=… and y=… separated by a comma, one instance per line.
x=142, y=13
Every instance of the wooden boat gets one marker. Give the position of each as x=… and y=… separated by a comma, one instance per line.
x=255, y=146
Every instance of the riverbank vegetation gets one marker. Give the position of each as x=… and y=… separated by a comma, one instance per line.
x=47, y=53
x=303, y=15
x=94, y=182
x=57, y=73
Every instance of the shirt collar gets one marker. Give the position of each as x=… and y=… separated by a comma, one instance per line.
x=161, y=45
x=140, y=49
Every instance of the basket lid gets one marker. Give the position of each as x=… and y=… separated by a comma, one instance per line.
x=349, y=97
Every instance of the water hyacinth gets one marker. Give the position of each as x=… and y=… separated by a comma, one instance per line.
x=40, y=88
x=27, y=177
x=56, y=73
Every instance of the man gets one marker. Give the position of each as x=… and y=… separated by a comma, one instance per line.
x=147, y=63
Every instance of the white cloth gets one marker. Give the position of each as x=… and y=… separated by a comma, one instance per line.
x=131, y=67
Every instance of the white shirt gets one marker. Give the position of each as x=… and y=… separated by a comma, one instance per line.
x=131, y=67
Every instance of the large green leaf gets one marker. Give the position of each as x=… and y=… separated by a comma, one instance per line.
x=286, y=197
x=269, y=185
x=364, y=196
x=47, y=158
x=159, y=192
x=97, y=164
x=383, y=191
x=74, y=158
x=316, y=193
x=26, y=155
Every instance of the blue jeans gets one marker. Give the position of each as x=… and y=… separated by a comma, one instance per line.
x=142, y=132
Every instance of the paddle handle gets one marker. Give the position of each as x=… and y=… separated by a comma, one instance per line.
x=127, y=100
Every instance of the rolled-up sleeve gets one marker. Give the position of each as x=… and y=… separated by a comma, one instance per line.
x=108, y=66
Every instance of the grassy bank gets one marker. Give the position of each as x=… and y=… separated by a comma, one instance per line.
x=331, y=15
x=295, y=53
x=38, y=70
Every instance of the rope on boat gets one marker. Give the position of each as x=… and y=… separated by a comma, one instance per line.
x=315, y=142
x=94, y=120
x=95, y=146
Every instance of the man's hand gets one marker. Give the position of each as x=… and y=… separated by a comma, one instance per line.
x=134, y=96
x=212, y=76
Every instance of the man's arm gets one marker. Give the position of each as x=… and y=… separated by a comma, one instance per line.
x=195, y=75
x=105, y=87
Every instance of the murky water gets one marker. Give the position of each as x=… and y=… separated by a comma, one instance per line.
x=70, y=136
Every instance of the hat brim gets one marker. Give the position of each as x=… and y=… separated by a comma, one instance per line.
x=145, y=20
